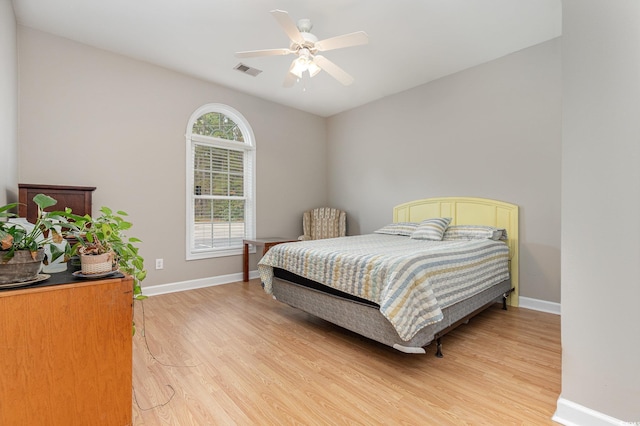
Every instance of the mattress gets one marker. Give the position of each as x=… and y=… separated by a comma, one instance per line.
x=410, y=280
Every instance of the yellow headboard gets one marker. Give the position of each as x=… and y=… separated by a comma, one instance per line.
x=469, y=211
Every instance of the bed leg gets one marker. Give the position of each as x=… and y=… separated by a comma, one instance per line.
x=439, y=347
x=504, y=298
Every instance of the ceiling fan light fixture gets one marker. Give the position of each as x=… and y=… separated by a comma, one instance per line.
x=303, y=63
x=313, y=69
x=298, y=67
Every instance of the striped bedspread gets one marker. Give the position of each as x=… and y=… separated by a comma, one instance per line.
x=411, y=280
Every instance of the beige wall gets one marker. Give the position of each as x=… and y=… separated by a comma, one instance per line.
x=601, y=207
x=94, y=118
x=101, y=119
x=490, y=131
x=8, y=105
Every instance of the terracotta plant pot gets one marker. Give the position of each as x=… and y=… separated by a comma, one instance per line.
x=22, y=267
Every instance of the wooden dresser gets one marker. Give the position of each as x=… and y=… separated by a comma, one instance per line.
x=66, y=353
x=77, y=198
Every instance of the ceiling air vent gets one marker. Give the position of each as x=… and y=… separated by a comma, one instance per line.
x=247, y=70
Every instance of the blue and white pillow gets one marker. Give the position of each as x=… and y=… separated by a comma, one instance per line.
x=431, y=229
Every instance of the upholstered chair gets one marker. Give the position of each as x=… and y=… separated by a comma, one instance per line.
x=323, y=222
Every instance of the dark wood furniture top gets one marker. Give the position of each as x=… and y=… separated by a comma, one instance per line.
x=77, y=198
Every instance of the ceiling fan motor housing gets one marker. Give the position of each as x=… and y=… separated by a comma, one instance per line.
x=304, y=25
x=309, y=42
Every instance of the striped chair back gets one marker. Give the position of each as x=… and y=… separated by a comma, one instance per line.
x=324, y=222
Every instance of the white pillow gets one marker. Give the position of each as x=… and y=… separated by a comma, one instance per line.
x=474, y=232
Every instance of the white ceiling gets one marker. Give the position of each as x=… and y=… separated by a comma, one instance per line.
x=411, y=42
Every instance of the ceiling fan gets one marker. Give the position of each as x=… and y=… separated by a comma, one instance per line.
x=306, y=47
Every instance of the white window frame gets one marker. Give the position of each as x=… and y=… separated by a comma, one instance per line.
x=249, y=148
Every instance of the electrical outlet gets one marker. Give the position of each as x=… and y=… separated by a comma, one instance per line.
x=159, y=264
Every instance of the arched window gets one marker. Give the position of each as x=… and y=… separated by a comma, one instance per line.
x=220, y=182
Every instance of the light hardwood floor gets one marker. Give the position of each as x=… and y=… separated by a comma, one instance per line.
x=231, y=355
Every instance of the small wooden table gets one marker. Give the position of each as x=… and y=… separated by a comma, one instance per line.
x=267, y=243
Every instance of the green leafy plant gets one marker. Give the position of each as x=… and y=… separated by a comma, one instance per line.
x=48, y=230
x=106, y=233
x=94, y=236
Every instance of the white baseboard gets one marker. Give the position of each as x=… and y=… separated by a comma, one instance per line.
x=155, y=290
x=539, y=305
x=569, y=413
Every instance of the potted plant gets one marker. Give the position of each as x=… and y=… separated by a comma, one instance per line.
x=22, y=244
x=105, y=235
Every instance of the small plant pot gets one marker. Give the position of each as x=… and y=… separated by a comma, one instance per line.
x=96, y=263
x=22, y=267
x=73, y=264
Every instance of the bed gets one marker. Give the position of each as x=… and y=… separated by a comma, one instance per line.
x=371, y=285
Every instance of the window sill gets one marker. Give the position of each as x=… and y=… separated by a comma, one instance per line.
x=235, y=251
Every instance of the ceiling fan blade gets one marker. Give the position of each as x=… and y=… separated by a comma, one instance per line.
x=265, y=52
x=287, y=24
x=346, y=40
x=333, y=70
